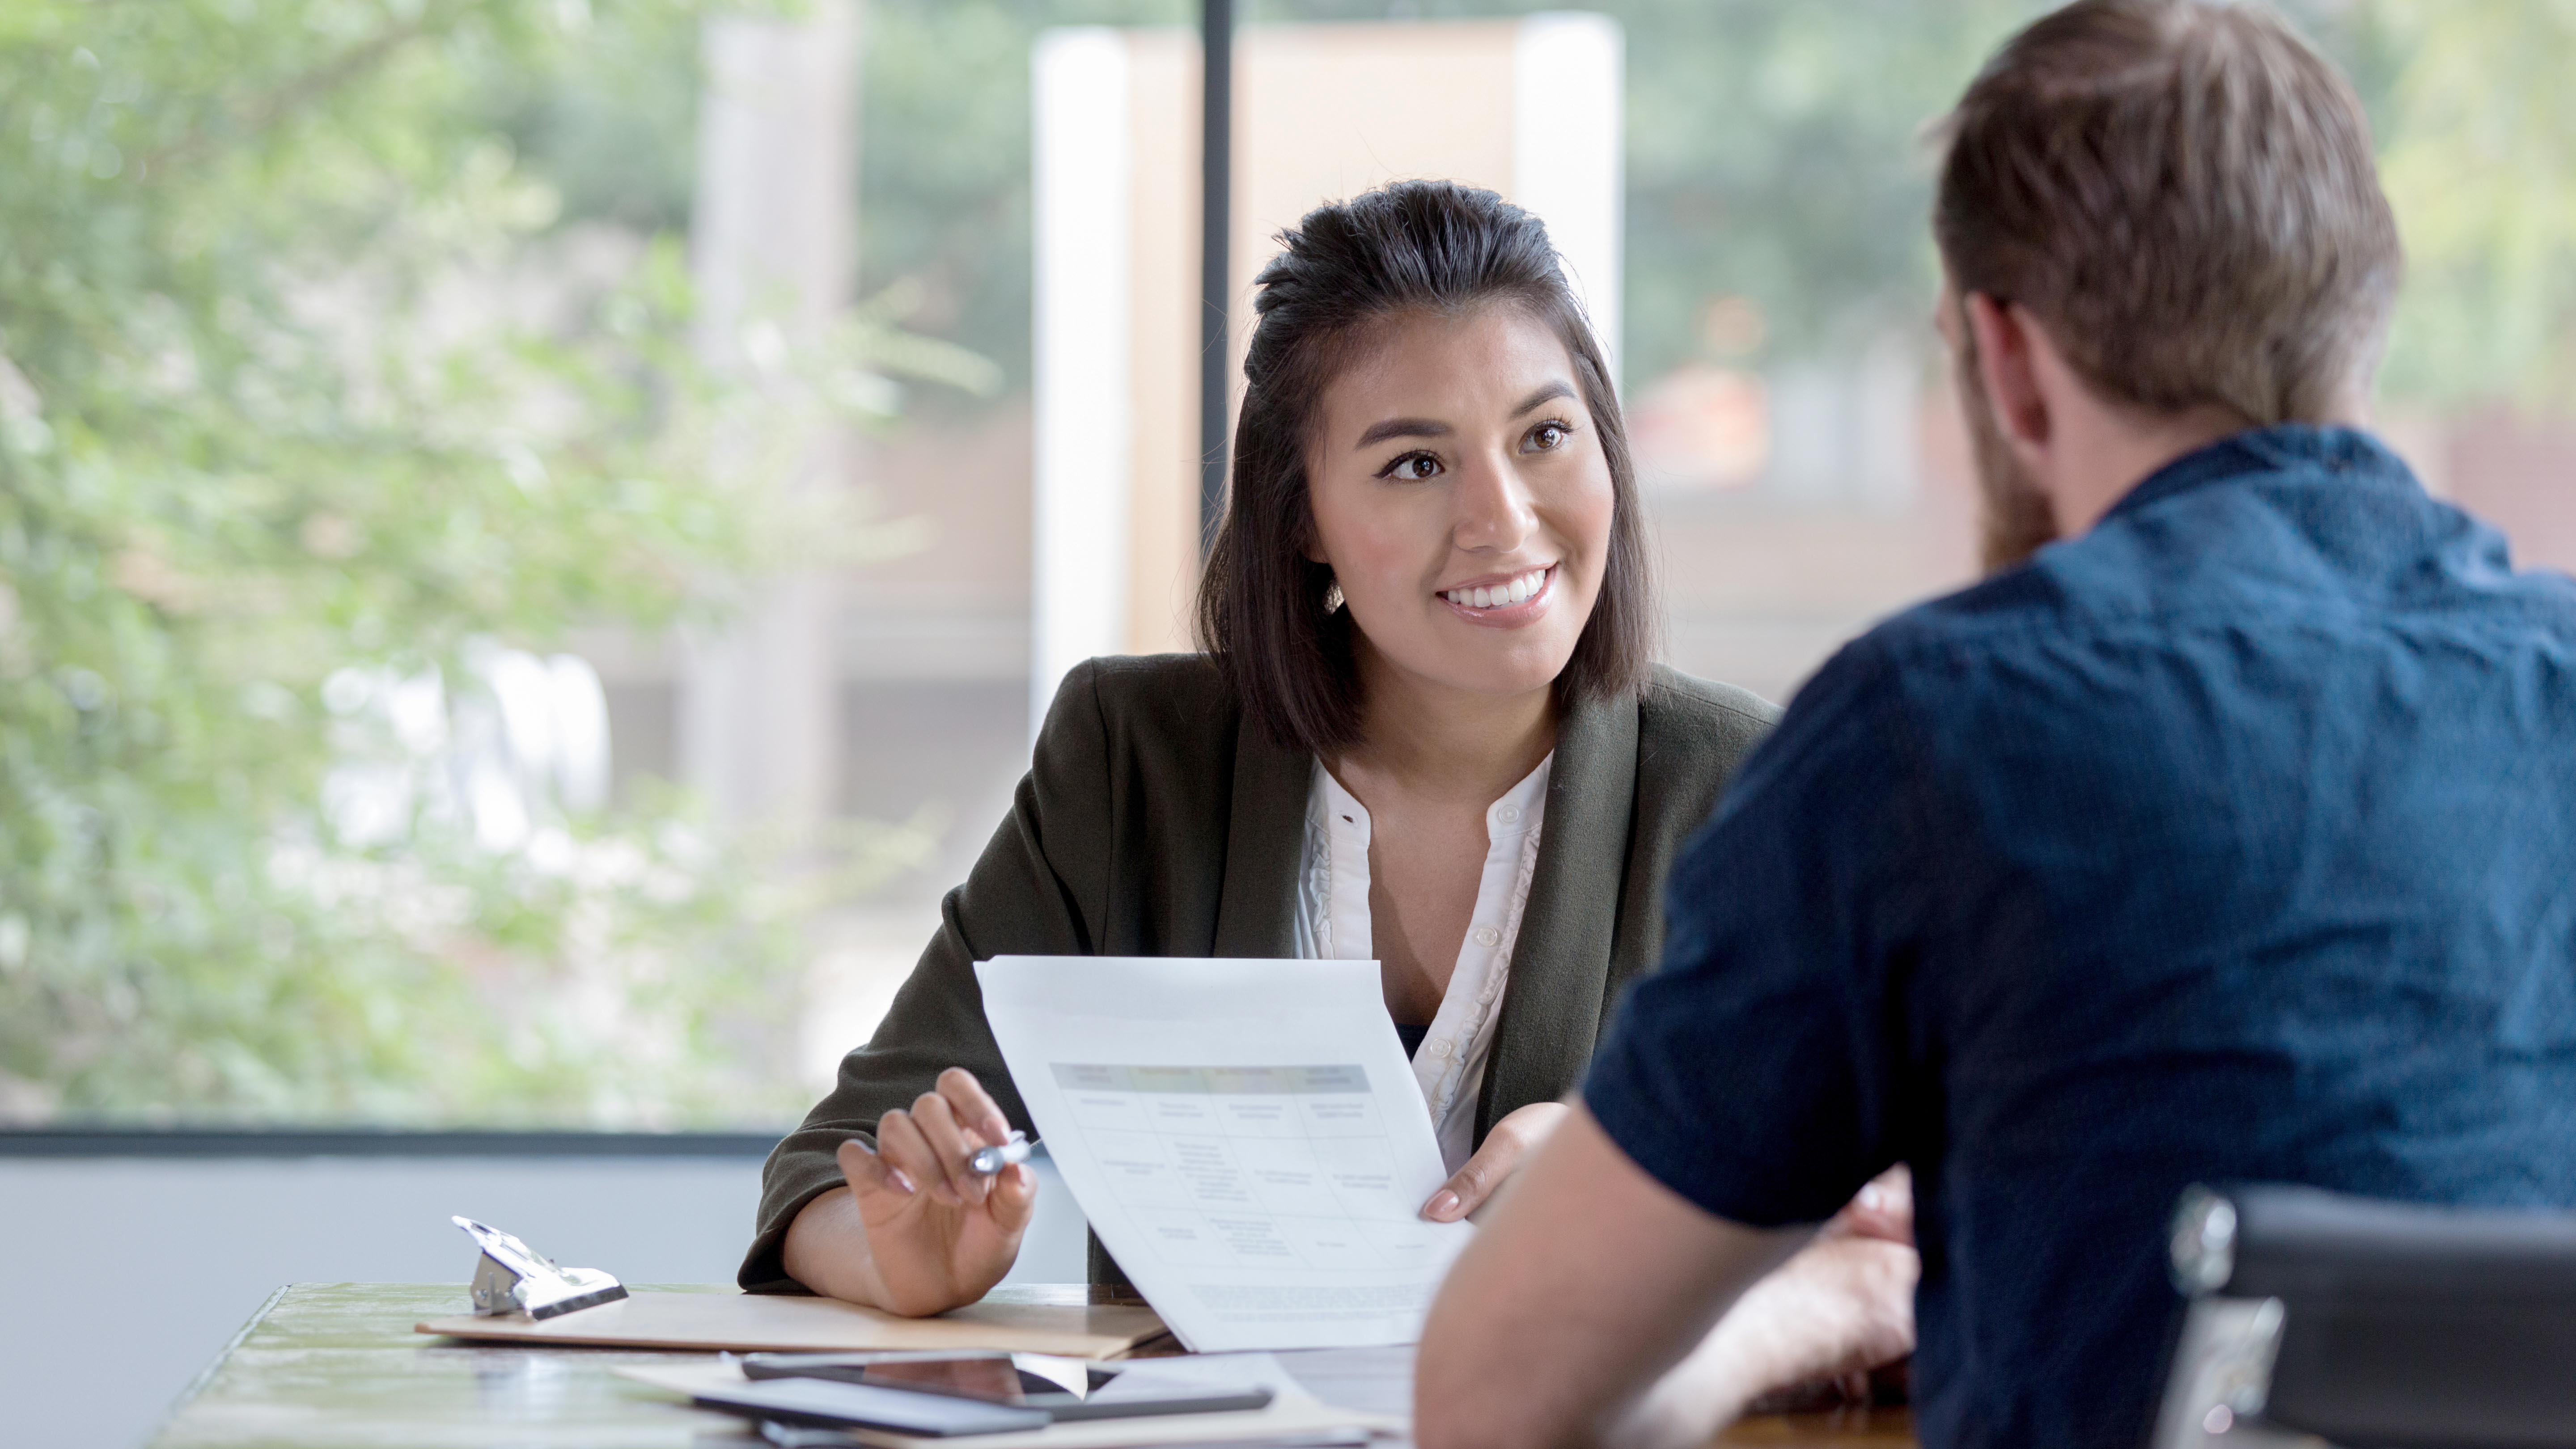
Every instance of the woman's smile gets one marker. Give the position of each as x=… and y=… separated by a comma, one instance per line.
x=1506, y=601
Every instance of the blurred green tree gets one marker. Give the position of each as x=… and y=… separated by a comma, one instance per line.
x=1775, y=155
x=2478, y=152
x=304, y=391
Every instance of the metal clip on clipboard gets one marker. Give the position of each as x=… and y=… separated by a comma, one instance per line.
x=512, y=1277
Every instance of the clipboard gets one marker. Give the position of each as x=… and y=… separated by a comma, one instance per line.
x=783, y=1323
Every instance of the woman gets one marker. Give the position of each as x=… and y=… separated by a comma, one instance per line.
x=1425, y=731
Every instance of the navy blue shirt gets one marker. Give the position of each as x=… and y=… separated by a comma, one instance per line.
x=2235, y=840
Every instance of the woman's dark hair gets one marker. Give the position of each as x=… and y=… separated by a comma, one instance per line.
x=1410, y=247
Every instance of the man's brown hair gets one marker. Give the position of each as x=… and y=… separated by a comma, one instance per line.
x=2183, y=194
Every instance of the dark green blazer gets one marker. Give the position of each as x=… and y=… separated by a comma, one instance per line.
x=1156, y=820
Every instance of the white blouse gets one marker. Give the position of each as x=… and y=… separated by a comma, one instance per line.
x=1333, y=925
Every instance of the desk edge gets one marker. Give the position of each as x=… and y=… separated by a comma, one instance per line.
x=222, y=1356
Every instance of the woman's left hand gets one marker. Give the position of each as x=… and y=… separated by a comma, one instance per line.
x=1506, y=1147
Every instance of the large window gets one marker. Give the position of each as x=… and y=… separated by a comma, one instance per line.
x=516, y=523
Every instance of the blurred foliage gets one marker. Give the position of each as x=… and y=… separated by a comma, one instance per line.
x=1771, y=153
x=1775, y=155
x=2479, y=156
x=944, y=196
x=302, y=369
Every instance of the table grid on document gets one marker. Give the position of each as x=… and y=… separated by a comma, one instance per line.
x=1251, y=1167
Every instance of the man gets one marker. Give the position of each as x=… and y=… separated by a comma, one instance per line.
x=2232, y=837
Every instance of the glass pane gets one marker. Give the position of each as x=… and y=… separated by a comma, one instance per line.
x=519, y=578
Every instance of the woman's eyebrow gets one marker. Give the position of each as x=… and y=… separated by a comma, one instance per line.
x=1379, y=432
x=1548, y=394
x=1404, y=428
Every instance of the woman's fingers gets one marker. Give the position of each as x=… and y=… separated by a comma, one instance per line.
x=1466, y=1189
x=953, y=1144
x=936, y=1140
x=1014, y=1197
x=1505, y=1148
x=975, y=1108
x=905, y=1148
x=869, y=1172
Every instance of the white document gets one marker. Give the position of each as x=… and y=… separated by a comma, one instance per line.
x=1245, y=1136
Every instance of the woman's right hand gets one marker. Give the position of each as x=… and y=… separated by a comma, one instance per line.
x=932, y=1233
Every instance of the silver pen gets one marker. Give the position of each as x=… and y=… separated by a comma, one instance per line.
x=991, y=1160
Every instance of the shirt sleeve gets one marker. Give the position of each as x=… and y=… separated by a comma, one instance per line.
x=1037, y=891
x=1755, y=1071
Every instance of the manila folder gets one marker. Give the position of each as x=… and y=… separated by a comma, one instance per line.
x=785, y=1323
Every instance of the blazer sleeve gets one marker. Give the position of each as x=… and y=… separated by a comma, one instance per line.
x=1039, y=889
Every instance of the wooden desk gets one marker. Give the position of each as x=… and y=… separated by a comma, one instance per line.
x=336, y=1366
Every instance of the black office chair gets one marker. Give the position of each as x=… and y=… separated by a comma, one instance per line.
x=2369, y=1324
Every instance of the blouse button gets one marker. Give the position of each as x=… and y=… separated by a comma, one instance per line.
x=1440, y=1047
x=1508, y=814
x=1487, y=936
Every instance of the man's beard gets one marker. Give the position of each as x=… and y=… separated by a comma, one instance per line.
x=2013, y=518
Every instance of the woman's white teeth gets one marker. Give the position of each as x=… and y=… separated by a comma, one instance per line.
x=1518, y=591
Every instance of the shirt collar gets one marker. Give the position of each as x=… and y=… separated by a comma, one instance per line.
x=1329, y=799
x=2290, y=446
x=1517, y=813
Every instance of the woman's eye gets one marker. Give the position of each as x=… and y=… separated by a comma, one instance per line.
x=1412, y=468
x=1550, y=435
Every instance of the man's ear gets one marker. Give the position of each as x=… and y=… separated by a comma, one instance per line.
x=2007, y=365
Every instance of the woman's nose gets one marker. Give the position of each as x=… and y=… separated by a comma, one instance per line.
x=1490, y=507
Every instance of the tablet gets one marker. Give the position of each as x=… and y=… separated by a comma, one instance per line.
x=823, y=1402
x=1067, y=1390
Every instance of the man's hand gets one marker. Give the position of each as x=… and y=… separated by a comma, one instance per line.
x=918, y=1231
x=1882, y=1209
x=1585, y=1283
x=1591, y=1278
x=1506, y=1147
x=1843, y=1306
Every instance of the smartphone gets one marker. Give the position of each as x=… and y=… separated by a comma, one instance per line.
x=817, y=1402
x=1066, y=1390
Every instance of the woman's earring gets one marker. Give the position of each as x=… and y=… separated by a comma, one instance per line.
x=1333, y=597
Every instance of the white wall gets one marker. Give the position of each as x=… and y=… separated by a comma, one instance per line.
x=126, y=1275
x=1079, y=484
